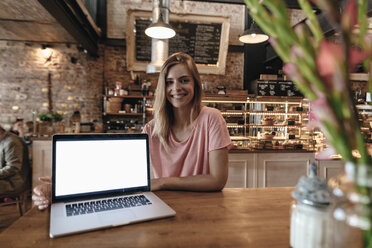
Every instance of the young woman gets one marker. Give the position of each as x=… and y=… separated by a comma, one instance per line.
x=189, y=143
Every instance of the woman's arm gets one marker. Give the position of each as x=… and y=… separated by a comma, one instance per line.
x=216, y=180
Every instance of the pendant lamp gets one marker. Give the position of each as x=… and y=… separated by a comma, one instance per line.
x=160, y=28
x=253, y=35
x=160, y=31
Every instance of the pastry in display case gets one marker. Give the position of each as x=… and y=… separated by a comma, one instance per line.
x=270, y=123
x=365, y=120
x=233, y=109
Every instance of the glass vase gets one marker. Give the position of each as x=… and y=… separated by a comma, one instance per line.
x=352, y=206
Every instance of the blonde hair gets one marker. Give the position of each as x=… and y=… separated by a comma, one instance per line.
x=162, y=109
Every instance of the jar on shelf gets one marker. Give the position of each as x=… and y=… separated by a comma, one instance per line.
x=311, y=222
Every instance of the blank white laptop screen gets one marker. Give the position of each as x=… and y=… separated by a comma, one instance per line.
x=99, y=165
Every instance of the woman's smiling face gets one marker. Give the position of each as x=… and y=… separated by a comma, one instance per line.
x=179, y=86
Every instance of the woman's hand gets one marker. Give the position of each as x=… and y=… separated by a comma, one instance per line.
x=43, y=193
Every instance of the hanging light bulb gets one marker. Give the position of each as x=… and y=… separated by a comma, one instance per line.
x=160, y=28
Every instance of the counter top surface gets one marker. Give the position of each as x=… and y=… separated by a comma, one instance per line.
x=249, y=150
x=42, y=138
x=234, y=150
x=231, y=218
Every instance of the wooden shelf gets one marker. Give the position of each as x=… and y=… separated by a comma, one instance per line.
x=125, y=114
x=128, y=96
x=275, y=126
x=254, y=138
x=233, y=112
x=235, y=125
x=359, y=76
x=260, y=112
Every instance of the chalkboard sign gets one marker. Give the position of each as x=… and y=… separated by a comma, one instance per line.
x=201, y=41
x=205, y=38
x=143, y=42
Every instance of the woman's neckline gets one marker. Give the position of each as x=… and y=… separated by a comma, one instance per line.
x=195, y=123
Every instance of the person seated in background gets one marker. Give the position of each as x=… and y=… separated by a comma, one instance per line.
x=188, y=142
x=17, y=128
x=29, y=133
x=14, y=163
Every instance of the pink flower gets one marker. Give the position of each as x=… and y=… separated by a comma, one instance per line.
x=356, y=56
x=296, y=53
x=368, y=42
x=326, y=154
x=322, y=111
x=313, y=122
x=273, y=42
x=331, y=56
x=317, y=92
x=349, y=17
x=293, y=72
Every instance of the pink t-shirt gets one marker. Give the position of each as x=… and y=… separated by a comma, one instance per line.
x=189, y=157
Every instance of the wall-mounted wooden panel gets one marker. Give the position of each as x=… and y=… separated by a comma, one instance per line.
x=330, y=168
x=282, y=169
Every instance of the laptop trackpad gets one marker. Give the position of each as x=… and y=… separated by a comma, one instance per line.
x=120, y=217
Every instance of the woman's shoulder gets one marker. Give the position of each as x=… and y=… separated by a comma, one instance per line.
x=210, y=116
x=151, y=123
x=210, y=112
x=149, y=127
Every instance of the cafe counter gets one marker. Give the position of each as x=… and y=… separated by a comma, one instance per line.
x=247, y=168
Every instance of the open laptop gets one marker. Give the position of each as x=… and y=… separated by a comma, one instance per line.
x=101, y=180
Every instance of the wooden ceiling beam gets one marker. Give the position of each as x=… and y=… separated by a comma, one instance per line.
x=73, y=19
x=27, y=21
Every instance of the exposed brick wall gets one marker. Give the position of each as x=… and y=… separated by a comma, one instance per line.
x=79, y=85
x=24, y=81
x=78, y=80
x=115, y=70
x=233, y=78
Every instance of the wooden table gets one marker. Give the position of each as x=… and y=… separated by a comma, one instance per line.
x=231, y=218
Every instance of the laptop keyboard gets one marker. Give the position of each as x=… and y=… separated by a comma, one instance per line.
x=105, y=205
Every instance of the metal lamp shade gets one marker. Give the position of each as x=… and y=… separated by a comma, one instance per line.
x=160, y=30
x=253, y=35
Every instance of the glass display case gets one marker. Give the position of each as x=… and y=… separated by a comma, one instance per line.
x=266, y=122
x=365, y=120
